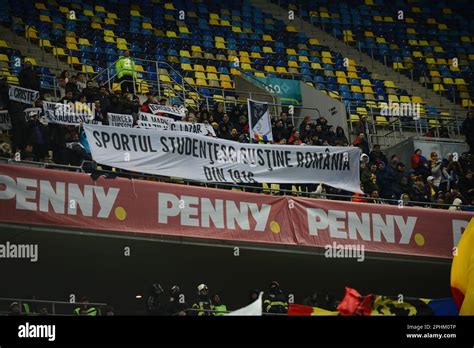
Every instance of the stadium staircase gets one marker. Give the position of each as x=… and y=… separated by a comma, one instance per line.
x=392, y=133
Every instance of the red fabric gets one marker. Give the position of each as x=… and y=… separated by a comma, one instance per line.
x=415, y=161
x=354, y=303
x=458, y=297
x=299, y=310
x=35, y=196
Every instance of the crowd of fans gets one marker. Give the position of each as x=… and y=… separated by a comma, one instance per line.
x=426, y=180
x=174, y=301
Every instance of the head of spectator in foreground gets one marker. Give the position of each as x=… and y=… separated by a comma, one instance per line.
x=162, y=101
x=126, y=53
x=225, y=119
x=283, y=116
x=203, y=290
x=14, y=308
x=27, y=65
x=216, y=300
x=401, y=167
x=275, y=287
x=405, y=197
x=150, y=98
x=434, y=157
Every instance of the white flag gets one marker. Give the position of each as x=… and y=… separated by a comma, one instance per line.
x=260, y=126
x=255, y=308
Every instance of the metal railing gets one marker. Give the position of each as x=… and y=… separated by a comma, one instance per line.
x=271, y=189
x=49, y=304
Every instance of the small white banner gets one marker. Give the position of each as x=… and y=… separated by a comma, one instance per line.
x=172, y=110
x=23, y=95
x=120, y=120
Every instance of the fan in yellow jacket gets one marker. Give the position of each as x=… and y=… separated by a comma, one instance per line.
x=126, y=72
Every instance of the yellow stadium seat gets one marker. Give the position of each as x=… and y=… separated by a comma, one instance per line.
x=246, y=66
x=381, y=120
x=356, y=89
x=281, y=70
x=31, y=33
x=84, y=42
x=59, y=51
x=393, y=98
x=313, y=41
x=225, y=77
x=220, y=45
x=165, y=78
x=186, y=67
x=171, y=34
x=416, y=99
x=99, y=8
x=4, y=44
x=135, y=13
x=200, y=75
x=236, y=29
x=96, y=26
x=327, y=61
x=342, y=80
x=361, y=110
x=4, y=58
x=122, y=47
x=460, y=81
x=367, y=89
x=267, y=38
x=316, y=66
x=88, y=69
x=259, y=74
x=44, y=18
x=293, y=64
x=340, y=74
x=40, y=6
x=225, y=23
x=189, y=80
x=389, y=84
x=212, y=76
x=256, y=55
x=214, y=22
x=213, y=16
x=73, y=60
x=45, y=43
x=354, y=118
x=267, y=49
x=269, y=68
x=196, y=49
x=226, y=85
x=88, y=13
x=201, y=82
x=109, y=21
x=234, y=72
x=72, y=46
x=184, y=53
x=169, y=6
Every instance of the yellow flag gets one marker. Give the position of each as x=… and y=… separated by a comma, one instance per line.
x=462, y=272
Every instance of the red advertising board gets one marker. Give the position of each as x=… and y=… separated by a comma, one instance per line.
x=64, y=199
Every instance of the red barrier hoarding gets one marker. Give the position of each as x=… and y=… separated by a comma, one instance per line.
x=64, y=199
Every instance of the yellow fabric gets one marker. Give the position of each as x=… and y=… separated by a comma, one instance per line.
x=462, y=269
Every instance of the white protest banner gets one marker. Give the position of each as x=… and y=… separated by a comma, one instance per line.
x=172, y=110
x=31, y=113
x=260, y=126
x=207, y=159
x=5, y=122
x=23, y=95
x=151, y=125
x=120, y=120
x=155, y=119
